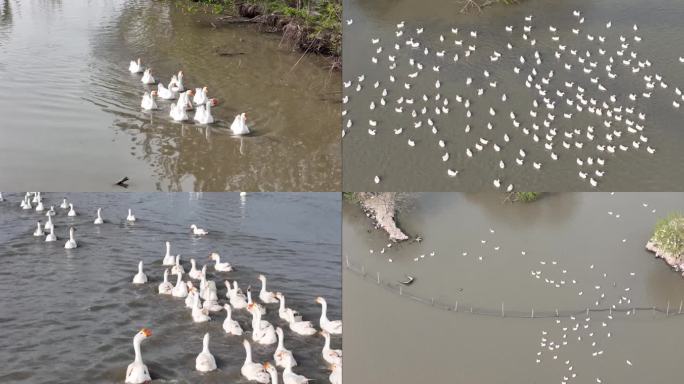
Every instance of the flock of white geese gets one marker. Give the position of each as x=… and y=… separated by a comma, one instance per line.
x=201, y=298
x=587, y=88
x=186, y=100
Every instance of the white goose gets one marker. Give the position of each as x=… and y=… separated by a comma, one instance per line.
x=205, y=361
x=194, y=273
x=148, y=102
x=211, y=300
x=192, y=292
x=177, y=267
x=64, y=204
x=251, y=370
x=180, y=290
x=176, y=83
x=332, y=356
x=264, y=295
x=98, y=219
x=218, y=265
x=165, y=93
x=284, y=312
x=237, y=299
x=178, y=113
x=169, y=260
x=72, y=212
x=281, y=353
x=262, y=331
x=290, y=377
x=205, y=116
x=232, y=327
x=50, y=212
x=135, y=66
x=200, y=96
x=336, y=374
x=165, y=287
x=332, y=327
x=147, y=77
x=140, y=277
x=272, y=371
x=239, y=125
x=71, y=243
x=48, y=224
x=130, y=218
x=250, y=303
x=198, y=231
x=51, y=236
x=39, y=230
x=199, y=314
x=304, y=328
x=137, y=372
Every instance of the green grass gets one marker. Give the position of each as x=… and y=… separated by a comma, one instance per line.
x=526, y=197
x=669, y=234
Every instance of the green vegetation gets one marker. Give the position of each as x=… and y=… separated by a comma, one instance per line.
x=526, y=197
x=350, y=196
x=669, y=234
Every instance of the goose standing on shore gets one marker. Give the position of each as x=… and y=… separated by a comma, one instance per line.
x=239, y=125
x=332, y=327
x=135, y=66
x=205, y=361
x=140, y=277
x=98, y=219
x=232, y=327
x=251, y=370
x=71, y=243
x=282, y=354
x=165, y=287
x=137, y=372
x=169, y=260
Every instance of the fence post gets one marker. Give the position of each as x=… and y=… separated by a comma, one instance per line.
x=378, y=278
x=503, y=314
x=400, y=290
x=347, y=261
x=433, y=301
x=556, y=312
x=680, y=306
x=667, y=312
x=532, y=313
x=456, y=307
x=363, y=270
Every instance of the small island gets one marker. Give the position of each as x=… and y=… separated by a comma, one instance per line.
x=381, y=208
x=667, y=241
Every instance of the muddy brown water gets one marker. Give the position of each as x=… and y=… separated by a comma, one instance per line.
x=393, y=338
x=71, y=117
x=420, y=168
x=70, y=315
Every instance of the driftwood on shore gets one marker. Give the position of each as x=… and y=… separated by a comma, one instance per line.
x=675, y=261
x=381, y=207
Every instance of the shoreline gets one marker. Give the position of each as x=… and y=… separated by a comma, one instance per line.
x=381, y=208
x=670, y=259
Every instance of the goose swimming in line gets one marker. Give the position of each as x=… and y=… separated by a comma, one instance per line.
x=99, y=219
x=237, y=299
x=304, y=328
x=332, y=356
x=137, y=372
x=262, y=331
x=180, y=289
x=203, y=113
x=199, y=314
x=169, y=260
x=281, y=353
x=178, y=112
x=232, y=327
x=71, y=243
x=200, y=97
x=147, y=77
x=205, y=361
x=251, y=370
x=39, y=230
x=264, y=295
x=239, y=125
x=198, y=231
x=135, y=66
x=130, y=218
x=165, y=93
x=51, y=236
x=148, y=102
x=72, y=212
x=194, y=272
x=285, y=312
x=176, y=83
x=140, y=277
x=332, y=327
x=218, y=265
x=165, y=288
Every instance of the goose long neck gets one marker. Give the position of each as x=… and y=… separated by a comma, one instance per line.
x=98, y=213
x=205, y=343
x=248, y=353
x=140, y=267
x=282, y=302
x=178, y=280
x=274, y=376
x=324, y=311
x=263, y=285
x=136, y=348
x=71, y=234
x=281, y=343
x=166, y=275
x=326, y=346
x=229, y=313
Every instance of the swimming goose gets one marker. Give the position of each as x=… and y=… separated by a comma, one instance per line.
x=147, y=77
x=290, y=377
x=239, y=125
x=199, y=314
x=64, y=204
x=200, y=97
x=198, y=231
x=165, y=93
x=232, y=327
x=281, y=353
x=251, y=370
x=304, y=328
x=192, y=292
x=264, y=295
x=218, y=265
x=137, y=372
x=99, y=219
x=135, y=66
x=178, y=113
x=39, y=230
x=165, y=287
x=148, y=102
x=284, y=312
x=205, y=361
x=211, y=300
x=176, y=83
x=336, y=375
x=262, y=331
x=332, y=356
x=40, y=207
x=51, y=236
x=169, y=260
x=194, y=272
x=72, y=212
x=272, y=371
x=130, y=218
x=237, y=299
x=50, y=212
x=261, y=308
x=71, y=243
x=332, y=327
x=205, y=116
x=181, y=289
x=140, y=277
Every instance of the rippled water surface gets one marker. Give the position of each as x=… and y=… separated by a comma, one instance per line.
x=478, y=242
x=386, y=153
x=71, y=117
x=70, y=315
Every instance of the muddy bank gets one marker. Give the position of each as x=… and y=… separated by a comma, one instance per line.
x=674, y=261
x=381, y=208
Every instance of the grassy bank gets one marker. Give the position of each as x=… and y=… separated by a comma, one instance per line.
x=668, y=235
x=313, y=26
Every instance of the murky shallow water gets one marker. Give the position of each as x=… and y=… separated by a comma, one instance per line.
x=71, y=315
x=71, y=117
x=421, y=167
x=574, y=230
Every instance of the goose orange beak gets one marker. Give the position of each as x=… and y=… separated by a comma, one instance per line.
x=146, y=332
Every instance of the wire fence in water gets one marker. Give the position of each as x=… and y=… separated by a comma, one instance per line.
x=466, y=308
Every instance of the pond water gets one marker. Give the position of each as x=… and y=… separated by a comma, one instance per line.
x=71, y=116
x=78, y=310
x=569, y=240
x=381, y=148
